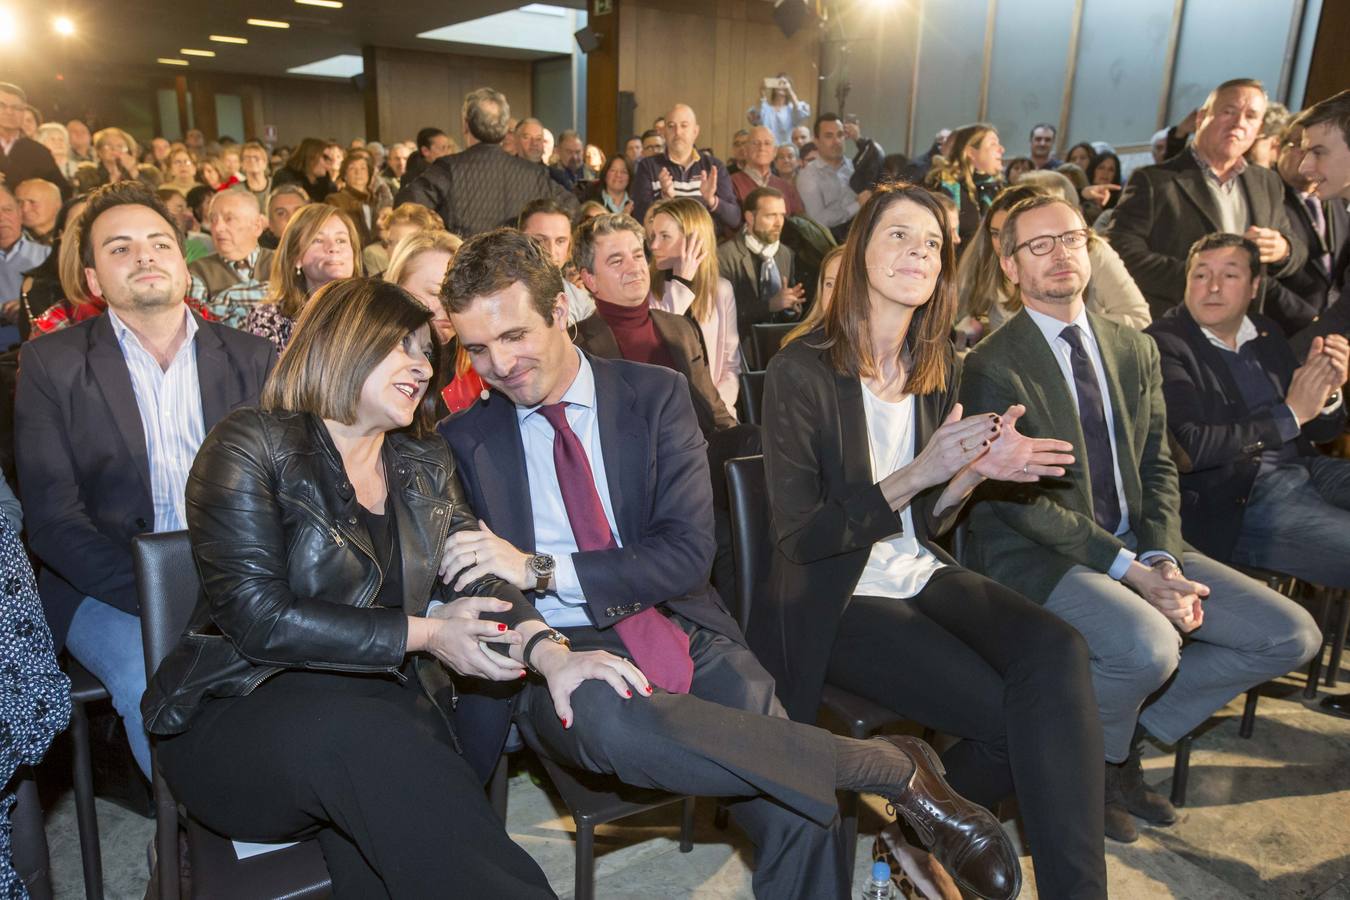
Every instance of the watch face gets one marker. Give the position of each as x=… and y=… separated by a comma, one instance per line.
x=541, y=564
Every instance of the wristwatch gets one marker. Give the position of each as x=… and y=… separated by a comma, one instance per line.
x=548, y=634
x=541, y=566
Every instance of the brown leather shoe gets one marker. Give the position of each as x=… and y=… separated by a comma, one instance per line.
x=965, y=837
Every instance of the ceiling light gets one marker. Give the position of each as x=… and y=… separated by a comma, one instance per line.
x=186, y=52
x=9, y=26
x=164, y=60
x=63, y=25
x=228, y=39
x=268, y=23
x=331, y=4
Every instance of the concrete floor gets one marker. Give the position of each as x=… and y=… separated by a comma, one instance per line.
x=1266, y=818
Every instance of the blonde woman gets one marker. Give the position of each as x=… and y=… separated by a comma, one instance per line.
x=829, y=273
x=685, y=280
x=318, y=246
x=972, y=173
x=419, y=265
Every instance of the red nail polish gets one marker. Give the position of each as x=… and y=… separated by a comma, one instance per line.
x=501, y=627
x=628, y=693
x=564, y=721
x=522, y=673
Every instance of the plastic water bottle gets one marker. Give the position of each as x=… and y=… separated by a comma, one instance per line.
x=879, y=886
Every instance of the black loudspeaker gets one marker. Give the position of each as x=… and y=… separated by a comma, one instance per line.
x=791, y=15
x=587, y=39
x=627, y=112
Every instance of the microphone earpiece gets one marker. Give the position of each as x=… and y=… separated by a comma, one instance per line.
x=890, y=273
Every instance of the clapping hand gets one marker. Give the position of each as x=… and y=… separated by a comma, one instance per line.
x=788, y=298
x=1271, y=245
x=1012, y=456
x=1099, y=193
x=708, y=188
x=667, y=182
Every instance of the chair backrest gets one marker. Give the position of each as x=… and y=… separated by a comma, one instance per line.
x=751, y=398
x=167, y=582
x=751, y=531
x=767, y=338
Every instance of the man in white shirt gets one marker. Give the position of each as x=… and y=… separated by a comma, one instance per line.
x=1102, y=547
x=823, y=182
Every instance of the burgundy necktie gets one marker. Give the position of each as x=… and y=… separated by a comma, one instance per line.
x=659, y=648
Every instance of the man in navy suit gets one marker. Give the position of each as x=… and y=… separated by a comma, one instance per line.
x=591, y=477
x=108, y=417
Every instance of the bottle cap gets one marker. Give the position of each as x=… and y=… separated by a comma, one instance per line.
x=881, y=871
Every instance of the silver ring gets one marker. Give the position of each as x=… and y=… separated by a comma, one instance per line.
x=964, y=448
x=1024, y=469
x=475, y=557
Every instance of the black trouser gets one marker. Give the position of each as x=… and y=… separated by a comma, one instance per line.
x=363, y=764
x=974, y=659
x=728, y=737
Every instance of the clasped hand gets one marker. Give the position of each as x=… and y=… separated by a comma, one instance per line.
x=476, y=554
x=1171, y=593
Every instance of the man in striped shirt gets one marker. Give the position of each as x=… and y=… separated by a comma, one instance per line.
x=109, y=414
x=685, y=171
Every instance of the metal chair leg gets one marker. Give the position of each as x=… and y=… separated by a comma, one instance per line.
x=1181, y=771
x=85, y=815
x=722, y=817
x=1338, y=638
x=1315, y=664
x=1249, y=712
x=687, y=825
x=584, y=884
x=32, y=862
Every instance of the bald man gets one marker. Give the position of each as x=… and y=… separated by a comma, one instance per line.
x=685, y=171
x=236, y=223
x=39, y=204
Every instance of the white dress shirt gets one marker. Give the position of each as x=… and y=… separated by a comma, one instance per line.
x=825, y=192
x=565, y=605
x=898, y=566
x=170, y=403
x=1050, y=327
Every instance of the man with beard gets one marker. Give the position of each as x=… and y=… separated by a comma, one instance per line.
x=109, y=414
x=1101, y=547
x=760, y=268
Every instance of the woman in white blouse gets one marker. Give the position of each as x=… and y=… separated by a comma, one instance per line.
x=869, y=461
x=685, y=281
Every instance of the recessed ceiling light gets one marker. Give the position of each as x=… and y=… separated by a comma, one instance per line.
x=268, y=23
x=331, y=4
x=186, y=52
x=171, y=62
x=63, y=25
x=228, y=39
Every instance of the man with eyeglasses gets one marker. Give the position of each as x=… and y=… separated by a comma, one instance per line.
x=22, y=158
x=1102, y=547
x=758, y=172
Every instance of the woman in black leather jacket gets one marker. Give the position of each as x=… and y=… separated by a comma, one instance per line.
x=309, y=695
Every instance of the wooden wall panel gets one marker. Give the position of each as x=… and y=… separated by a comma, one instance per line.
x=302, y=108
x=711, y=56
x=415, y=90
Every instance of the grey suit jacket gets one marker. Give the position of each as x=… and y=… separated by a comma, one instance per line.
x=738, y=265
x=482, y=188
x=1166, y=208
x=1029, y=535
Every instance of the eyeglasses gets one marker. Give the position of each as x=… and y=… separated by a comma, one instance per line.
x=1040, y=246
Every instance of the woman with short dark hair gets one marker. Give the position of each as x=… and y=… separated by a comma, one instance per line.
x=307, y=167
x=869, y=462
x=311, y=693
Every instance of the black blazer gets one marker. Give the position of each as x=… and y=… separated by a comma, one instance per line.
x=1219, y=440
x=481, y=188
x=1166, y=208
x=739, y=266
x=828, y=512
x=83, y=469
x=684, y=340
x=656, y=467
x=29, y=159
x=1295, y=300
